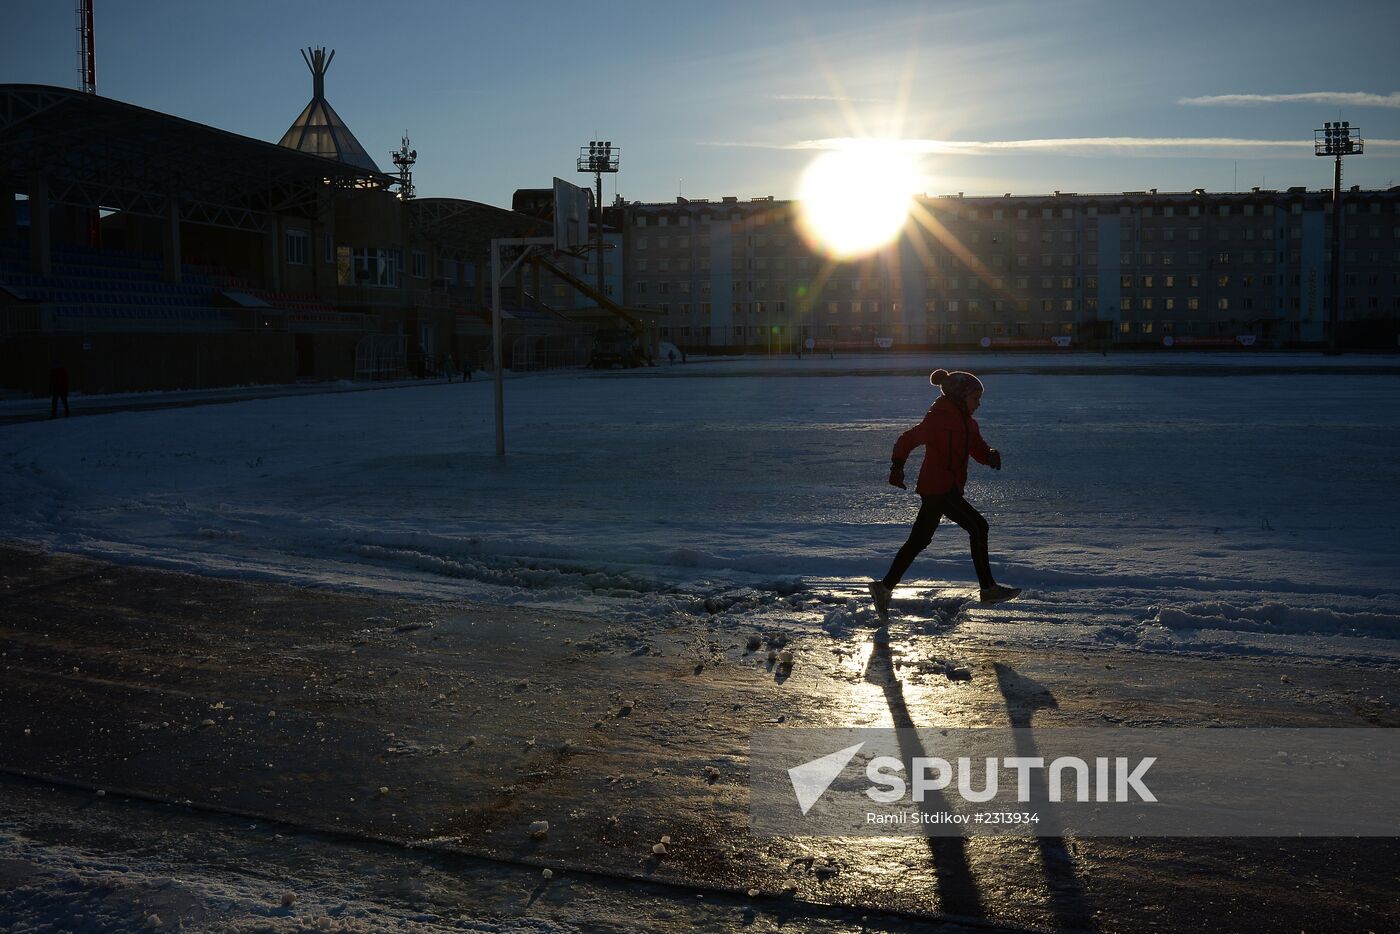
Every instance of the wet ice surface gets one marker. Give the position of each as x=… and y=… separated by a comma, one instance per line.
x=1237, y=514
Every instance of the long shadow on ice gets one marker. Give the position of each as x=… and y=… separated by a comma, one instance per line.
x=1024, y=697
x=957, y=890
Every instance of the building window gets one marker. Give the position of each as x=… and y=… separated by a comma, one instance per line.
x=328, y=247
x=373, y=266
x=298, y=247
x=420, y=264
x=641, y=220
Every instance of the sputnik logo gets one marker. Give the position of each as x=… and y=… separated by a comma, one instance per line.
x=810, y=780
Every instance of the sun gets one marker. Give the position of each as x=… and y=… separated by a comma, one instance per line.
x=855, y=200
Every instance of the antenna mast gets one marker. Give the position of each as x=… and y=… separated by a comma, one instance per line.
x=87, y=58
x=404, y=158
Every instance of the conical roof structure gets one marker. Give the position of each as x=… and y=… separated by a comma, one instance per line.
x=319, y=130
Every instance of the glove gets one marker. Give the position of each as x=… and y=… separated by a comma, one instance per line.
x=994, y=459
x=897, y=476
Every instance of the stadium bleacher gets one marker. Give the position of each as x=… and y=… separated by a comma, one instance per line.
x=93, y=289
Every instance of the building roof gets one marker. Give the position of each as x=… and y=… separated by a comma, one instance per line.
x=470, y=226
x=96, y=152
x=318, y=129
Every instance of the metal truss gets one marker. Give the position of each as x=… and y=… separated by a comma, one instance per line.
x=100, y=153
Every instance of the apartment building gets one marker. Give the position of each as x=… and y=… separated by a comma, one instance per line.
x=1139, y=268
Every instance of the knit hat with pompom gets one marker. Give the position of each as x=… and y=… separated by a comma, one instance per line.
x=956, y=385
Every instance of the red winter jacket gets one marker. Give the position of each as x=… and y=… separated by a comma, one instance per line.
x=948, y=437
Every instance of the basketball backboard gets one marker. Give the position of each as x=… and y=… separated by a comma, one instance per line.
x=571, y=205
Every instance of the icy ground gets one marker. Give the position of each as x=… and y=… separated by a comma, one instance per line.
x=1231, y=510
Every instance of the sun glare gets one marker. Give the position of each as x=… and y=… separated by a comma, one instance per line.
x=855, y=200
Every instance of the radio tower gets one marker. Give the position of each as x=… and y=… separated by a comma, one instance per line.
x=87, y=81
x=87, y=59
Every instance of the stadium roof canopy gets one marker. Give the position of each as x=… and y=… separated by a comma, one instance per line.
x=469, y=225
x=96, y=152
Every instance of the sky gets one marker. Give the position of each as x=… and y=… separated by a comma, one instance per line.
x=737, y=98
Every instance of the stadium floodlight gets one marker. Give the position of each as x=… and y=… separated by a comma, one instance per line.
x=599, y=157
x=1336, y=139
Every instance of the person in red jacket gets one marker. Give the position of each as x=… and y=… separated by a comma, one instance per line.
x=949, y=435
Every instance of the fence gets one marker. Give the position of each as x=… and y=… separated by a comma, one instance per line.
x=551, y=352
x=381, y=356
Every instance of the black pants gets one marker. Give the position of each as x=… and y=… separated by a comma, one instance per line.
x=933, y=510
x=53, y=404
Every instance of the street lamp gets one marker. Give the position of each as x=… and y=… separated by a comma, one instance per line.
x=1337, y=139
x=598, y=157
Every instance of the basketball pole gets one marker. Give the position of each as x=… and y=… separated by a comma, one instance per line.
x=497, y=274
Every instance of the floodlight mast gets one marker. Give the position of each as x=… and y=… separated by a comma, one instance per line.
x=599, y=156
x=1336, y=139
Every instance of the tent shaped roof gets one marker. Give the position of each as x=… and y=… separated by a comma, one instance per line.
x=319, y=129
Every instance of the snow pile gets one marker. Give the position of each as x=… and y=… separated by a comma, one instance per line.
x=1278, y=618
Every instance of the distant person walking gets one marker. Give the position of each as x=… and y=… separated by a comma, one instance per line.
x=450, y=368
x=466, y=369
x=671, y=354
x=949, y=435
x=58, y=388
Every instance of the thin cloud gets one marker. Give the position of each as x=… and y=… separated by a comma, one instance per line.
x=1328, y=98
x=837, y=98
x=1091, y=145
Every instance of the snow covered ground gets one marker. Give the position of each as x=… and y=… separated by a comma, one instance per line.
x=1236, y=509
